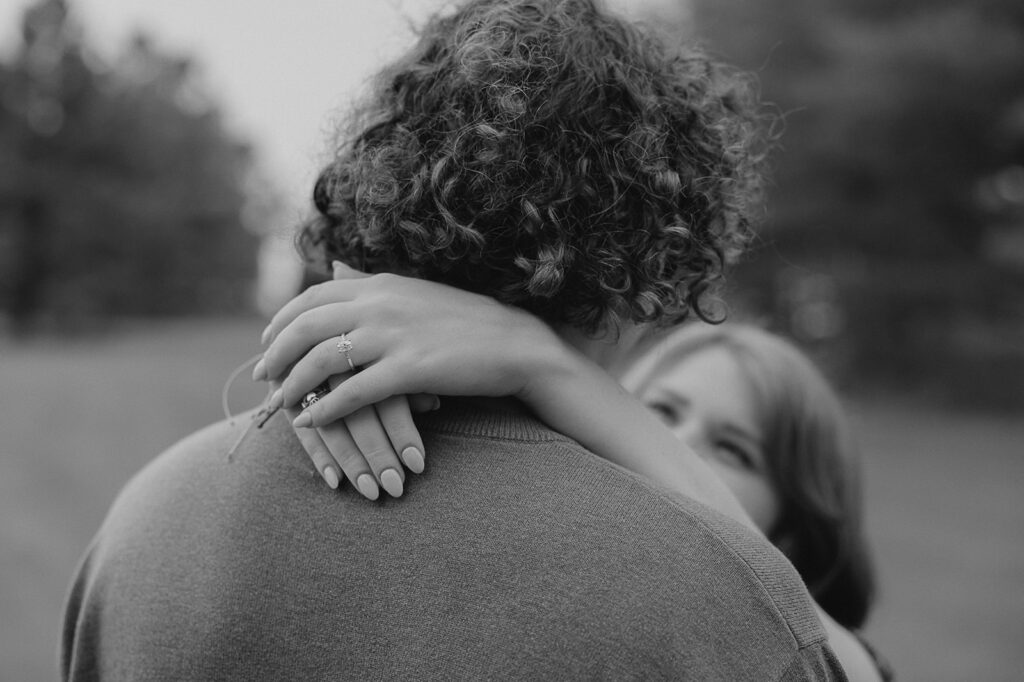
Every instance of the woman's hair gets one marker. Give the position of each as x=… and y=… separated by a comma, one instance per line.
x=812, y=462
x=551, y=156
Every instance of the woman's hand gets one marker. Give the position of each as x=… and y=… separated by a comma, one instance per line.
x=469, y=339
x=363, y=446
x=407, y=336
x=411, y=336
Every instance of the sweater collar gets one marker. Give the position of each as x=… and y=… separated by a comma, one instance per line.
x=506, y=418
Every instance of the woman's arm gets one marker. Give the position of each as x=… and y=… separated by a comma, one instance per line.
x=412, y=336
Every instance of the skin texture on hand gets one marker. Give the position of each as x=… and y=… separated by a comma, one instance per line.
x=368, y=446
x=401, y=334
x=408, y=337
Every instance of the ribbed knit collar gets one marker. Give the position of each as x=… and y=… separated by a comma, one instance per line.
x=505, y=418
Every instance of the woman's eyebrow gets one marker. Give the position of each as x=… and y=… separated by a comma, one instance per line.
x=753, y=436
x=664, y=392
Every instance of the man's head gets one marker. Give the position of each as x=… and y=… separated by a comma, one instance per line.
x=551, y=156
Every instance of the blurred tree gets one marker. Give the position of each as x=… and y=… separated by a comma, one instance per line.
x=121, y=192
x=900, y=177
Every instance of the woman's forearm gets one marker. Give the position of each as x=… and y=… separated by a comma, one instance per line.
x=577, y=398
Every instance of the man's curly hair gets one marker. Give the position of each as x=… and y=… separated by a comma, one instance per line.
x=551, y=156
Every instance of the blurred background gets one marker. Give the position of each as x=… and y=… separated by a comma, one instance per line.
x=154, y=158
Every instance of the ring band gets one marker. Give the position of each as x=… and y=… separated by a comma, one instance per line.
x=315, y=395
x=344, y=345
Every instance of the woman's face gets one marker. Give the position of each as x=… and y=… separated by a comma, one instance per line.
x=709, y=404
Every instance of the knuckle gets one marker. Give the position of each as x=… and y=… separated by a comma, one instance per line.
x=307, y=297
x=314, y=294
x=355, y=392
x=319, y=454
x=401, y=428
x=379, y=456
x=397, y=421
x=351, y=461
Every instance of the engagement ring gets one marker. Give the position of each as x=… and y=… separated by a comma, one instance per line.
x=344, y=345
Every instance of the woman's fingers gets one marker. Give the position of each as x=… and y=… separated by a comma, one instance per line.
x=375, y=447
x=371, y=385
x=341, y=288
x=326, y=359
x=396, y=418
x=317, y=450
x=346, y=453
x=304, y=332
x=360, y=448
x=335, y=291
x=365, y=445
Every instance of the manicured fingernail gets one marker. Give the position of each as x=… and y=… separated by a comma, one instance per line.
x=331, y=476
x=413, y=459
x=265, y=336
x=259, y=372
x=368, y=487
x=276, y=399
x=392, y=482
x=302, y=421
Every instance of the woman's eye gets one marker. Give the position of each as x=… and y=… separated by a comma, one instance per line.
x=736, y=456
x=666, y=412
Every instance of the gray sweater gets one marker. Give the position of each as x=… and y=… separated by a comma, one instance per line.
x=518, y=554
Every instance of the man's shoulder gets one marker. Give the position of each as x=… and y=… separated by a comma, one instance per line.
x=511, y=529
x=627, y=515
x=639, y=557
x=206, y=464
x=249, y=435
x=191, y=457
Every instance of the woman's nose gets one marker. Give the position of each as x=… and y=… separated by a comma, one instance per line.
x=695, y=436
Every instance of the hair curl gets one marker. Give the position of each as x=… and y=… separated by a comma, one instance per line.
x=548, y=155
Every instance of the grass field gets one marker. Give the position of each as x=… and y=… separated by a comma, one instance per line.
x=945, y=493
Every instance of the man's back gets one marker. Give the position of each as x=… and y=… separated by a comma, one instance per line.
x=517, y=554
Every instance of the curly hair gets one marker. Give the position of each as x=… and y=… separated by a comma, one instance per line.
x=551, y=156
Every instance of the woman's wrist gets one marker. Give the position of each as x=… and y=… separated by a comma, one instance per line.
x=548, y=366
